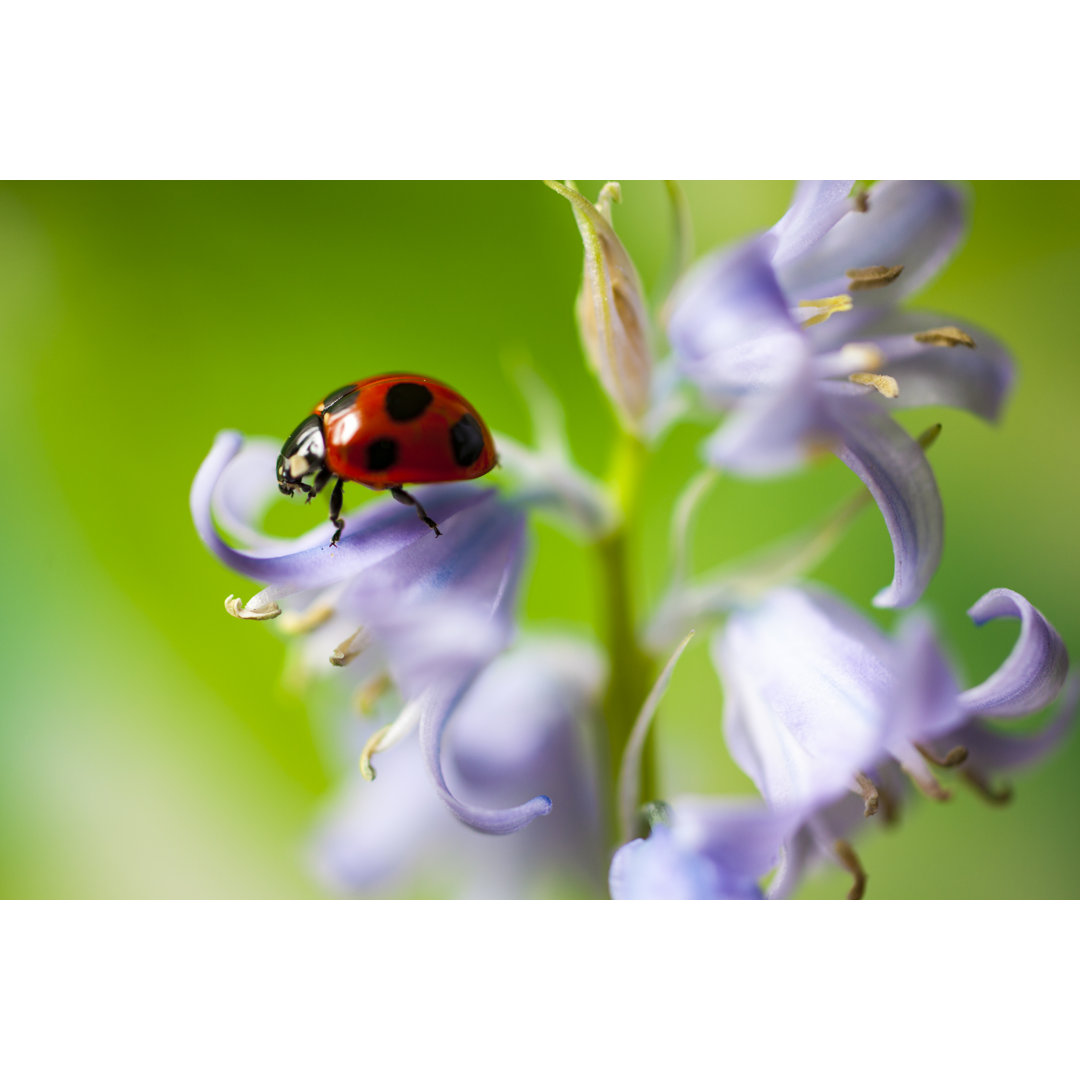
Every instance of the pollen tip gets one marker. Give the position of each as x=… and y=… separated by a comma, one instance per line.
x=946, y=336
x=237, y=609
x=929, y=436
x=885, y=385
x=873, y=277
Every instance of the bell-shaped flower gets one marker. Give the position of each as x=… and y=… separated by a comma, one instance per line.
x=701, y=849
x=797, y=333
x=820, y=704
x=521, y=726
x=428, y=613
x=611, y=310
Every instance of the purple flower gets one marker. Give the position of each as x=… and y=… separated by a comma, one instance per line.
x=390, y=599
x=821, y=707
x=797, y=333
x=522, y=725
x=701, y=849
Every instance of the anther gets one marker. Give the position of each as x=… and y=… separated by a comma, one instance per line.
x=351, y=647
x=868, y=791
x=956, y=756
x=850, y=862
x=862, y=355
x=236, y=608
x=929, y=436
x=981, y=786
x=949, y=336
x=309, y=620
x=827, y=306
x=885, y=385
x=927, y=783
x=873, y=277
x=862, y=200
x=371, y=747
x=367, y=694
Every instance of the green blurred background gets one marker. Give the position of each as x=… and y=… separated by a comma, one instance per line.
x=147, y=747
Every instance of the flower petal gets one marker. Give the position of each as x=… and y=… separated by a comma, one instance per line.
x=438, y=706
x=925, y=703
x=1032, y=674
x=894, y=469
x=776, y=431
x=915, y=224
x=373, y=534
x=975, y=378
x=816, y=207
x=806, y=683
x=659, y=868
x=730, y=324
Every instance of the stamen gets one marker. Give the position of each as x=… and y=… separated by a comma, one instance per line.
x=850, y=862
x=981, y=786
x=390, y=735
x=236, y=608
x=866, y=788
x=864, y=355
x=956, y=756
x=368, y=693
x=371, y=747
x=827, y=305
x=885, y=385
x=949, y=336
x=873, y=277
x=929, y=436
x=314, y=617
x=927, y=783
x=862, y=200
x=351, y=647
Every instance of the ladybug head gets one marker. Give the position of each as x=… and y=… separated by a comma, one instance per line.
x=304, y=453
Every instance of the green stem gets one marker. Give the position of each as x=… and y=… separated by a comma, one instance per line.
x=631, y=668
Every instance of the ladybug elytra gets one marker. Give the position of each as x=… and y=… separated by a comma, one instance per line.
x=383, y=432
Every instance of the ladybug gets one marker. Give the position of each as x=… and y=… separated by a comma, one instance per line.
x=383, y=432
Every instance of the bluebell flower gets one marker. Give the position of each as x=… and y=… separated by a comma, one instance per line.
x=797, y=333
x=821, y=707
x=521, y=726
x=701, y=849
x=387, y=600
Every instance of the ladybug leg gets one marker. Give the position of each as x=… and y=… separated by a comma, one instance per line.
x=317, y=484
x=336, y=497
x=406, y=499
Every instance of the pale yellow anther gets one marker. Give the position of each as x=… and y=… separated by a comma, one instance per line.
x=351, y=648
x=862, y=355
x=236, y=608
x=873, y=277
x=372, y=747
x=827, y=306
x=309, y=620
x=884, y=384
x=949, y=336
x=367, y=694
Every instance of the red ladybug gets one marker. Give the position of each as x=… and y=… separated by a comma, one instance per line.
x=383, y=432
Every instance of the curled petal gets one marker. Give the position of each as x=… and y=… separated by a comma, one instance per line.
x=245, y=490
x=913, y=224
x=309, y=562
x=438, y=706
x=1032, y=673
x=806, y=683
x=731, y=326
x=894, y=469
x=815, y=208
x=991, y=751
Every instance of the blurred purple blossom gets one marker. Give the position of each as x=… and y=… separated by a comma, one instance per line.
x=798, y=334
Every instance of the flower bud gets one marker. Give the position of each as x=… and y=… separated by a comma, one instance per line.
x=611, y=309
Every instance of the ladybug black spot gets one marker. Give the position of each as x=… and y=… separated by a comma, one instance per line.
x=466, y=440
x=381, y=455
x=406, y=401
